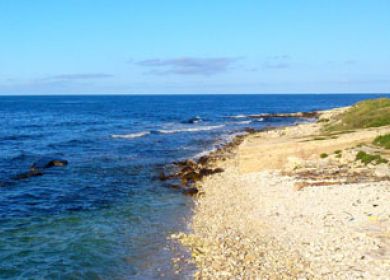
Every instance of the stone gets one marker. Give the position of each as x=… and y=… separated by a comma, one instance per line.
x=382, y=170
x=190, y=191
x=26, y=175
x=46, y=162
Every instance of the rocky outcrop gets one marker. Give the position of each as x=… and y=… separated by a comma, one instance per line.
x=304, y=115
x=189, y=173
x=37, y=168
x=45, y=162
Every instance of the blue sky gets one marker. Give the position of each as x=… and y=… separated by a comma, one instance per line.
x=199, y=46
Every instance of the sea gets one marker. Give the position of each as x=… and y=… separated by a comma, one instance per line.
x=106, y=215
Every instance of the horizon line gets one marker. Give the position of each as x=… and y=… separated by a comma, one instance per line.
x=190, y=94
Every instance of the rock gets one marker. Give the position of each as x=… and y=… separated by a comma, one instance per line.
x=250, y=130
x=37, y=167
x=288, y=115
x=218, y=170
x=203, y=160
x=193, y=120
x=26, y=175
x=175, y=186
x=382, y=170
x=185, y=163
x=191, y=177
x=190, y=191
x=294, y=163
x=186, y=169
x=209, y=171
x=164, y=177
x=47, y=163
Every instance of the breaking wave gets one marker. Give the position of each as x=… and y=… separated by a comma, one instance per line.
x=192, y=129
x=165, y=131
x=238, y=117
x=131, y=135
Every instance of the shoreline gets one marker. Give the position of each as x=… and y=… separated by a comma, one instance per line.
x=246, y=225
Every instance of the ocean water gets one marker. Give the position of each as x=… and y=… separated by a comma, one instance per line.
x=106, y=215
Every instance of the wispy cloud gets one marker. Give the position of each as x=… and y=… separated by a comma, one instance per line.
x=78, y=77
x=189, y=65
x=277, y=62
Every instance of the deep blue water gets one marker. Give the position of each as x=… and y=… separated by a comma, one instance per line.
x=105, y=215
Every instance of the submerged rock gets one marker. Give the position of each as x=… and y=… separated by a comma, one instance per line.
x=47, y=163
x=26, y=175
x=190, y=191
x=193, y=120
x=37, y=167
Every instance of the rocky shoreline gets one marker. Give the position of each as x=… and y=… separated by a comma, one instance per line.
x=270, y=205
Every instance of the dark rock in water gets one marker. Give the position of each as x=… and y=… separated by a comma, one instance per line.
x=193, y=120
x=37, y=167
x=57, y=162
x=164, y=177
x=186, y=169
x=47, y=163
x=190, y=191
x=26, y=175
x=191, y=177
x=287, y=115
x=174, y=186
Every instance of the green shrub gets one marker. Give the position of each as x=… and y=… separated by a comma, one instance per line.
x=337, y=152
x=364, y=114
x=383, y=141
x=323, y=155
x=367, y=158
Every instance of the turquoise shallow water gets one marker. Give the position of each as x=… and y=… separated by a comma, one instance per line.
x=106, y=215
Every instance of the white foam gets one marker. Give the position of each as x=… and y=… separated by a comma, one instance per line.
x=243, y=122
x=192, y=129
x=131, y=135
x=238, y=117
x=259, y=119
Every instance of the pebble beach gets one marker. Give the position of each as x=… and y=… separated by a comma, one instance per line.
x=281, y=210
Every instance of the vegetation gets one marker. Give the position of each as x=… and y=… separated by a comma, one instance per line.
x=383, y=141
x=337, y=153
x=323, y=155
x=364, y=114
x=368, y=158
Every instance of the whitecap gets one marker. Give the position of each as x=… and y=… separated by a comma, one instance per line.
x=259, y=120
x=192, y=129
x=238, y=117
x=243, y=122
x=131, y=135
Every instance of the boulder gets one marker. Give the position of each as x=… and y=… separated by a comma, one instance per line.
x=47, y=163
x=382, y=170
x=193, y=120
